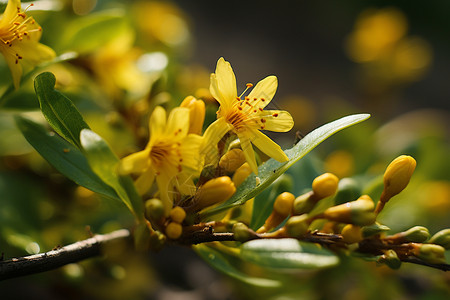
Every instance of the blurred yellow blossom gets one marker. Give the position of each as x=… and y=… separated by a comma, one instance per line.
x=246, y=117
x=170, y=157
x=19, y=41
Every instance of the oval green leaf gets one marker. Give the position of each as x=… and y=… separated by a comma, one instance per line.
x=287, y=254
x=222, y=262
x=60, y=112
x=272, y=169
x=63, y=156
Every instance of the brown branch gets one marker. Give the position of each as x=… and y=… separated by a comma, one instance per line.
x=53, y=259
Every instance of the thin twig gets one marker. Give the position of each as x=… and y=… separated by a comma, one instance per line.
x=53, y=259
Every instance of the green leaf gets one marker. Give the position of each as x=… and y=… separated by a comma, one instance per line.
x=263, y=203
x=222, y=262
x=104, y=163
x=59, y=111
x=63, y=156
x=272, y=169
x=287, y=254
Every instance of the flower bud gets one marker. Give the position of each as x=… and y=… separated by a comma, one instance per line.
x=375, y=228
x=232, y=160
x=352, y=234
x=297, y=226
x=196, y=114
x=348, y=189
x=397, y=176
x=177, y=214
x=154, y=209
x=390, y=258
x=241, y=174
x=283, y=204
x=325, y=185
x=174, y=230
x=417, y=234
x=303, y=204
x=441, y=238
x=430, y=253
x=242, y=233
x=214, y=191
x=359, y=212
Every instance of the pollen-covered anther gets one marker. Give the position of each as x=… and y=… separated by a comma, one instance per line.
x=275, y=115
x=249, y=85
x=263, y=120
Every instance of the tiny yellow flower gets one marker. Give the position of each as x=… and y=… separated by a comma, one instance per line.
x=246, y=117
x=19, y=41
x=170, y=157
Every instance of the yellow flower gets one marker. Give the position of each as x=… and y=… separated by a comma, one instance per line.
x=170, y=157
x=246, y=117
x=19, y=41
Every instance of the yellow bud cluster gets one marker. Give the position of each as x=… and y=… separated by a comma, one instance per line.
x=174, y=230
x=232, y=160
x=196, y=113
x=352, y=234
x=177, y=214
x=325, y=185
x=397, y=176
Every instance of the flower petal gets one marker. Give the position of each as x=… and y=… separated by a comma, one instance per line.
x=211, y=137
x=269, y=147
x=157, y=122
x=178, y=123
x=226, y=81
x=10, y=12
x=249, y=154
x=135, y=163
x=190, y=151
x=165, y=191
x=276, y=120
x=15, y=68
x=145, y=181
x=265, y=89
x=185, y=184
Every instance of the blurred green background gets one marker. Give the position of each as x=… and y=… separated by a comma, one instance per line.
x=332, y=58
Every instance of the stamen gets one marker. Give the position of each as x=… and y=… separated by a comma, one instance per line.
x=275, y=115
x=248, y=85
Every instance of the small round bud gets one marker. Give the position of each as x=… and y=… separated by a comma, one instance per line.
x=417, y=234
x=303, y=204
x=177, y=214
x=352, y=234
x=390, y=258
x=441, y=238
x=196, y=113
x=232, y=160
x=325, y=185
x=297, y=226
x=283, y=203
x=431, y=253
x=174, y=230
x=397, y=176
x=241, y=174
x=214, y=191
x=154, y=209
x=348, y=189
x=241, y=232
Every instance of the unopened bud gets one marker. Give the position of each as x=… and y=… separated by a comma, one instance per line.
x=417, y=234
x=242, y=233
x=303, y=204
x=352, y=234
x=241, y=174
x=359, y=212
x=297, y=226
x=154, y=209
x=375, y=228
x=235, y=144
x=174, y=230
x=232, y=160
x=283, y=204
x=348, y=189
x=390, y=258
x=397, y=176
x=325, y=185
x=214, y=191
x=431, y=253
x=177, y=214
x=196, y=114
x=441, y=238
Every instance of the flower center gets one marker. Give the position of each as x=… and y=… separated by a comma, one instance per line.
x=166, y=154
x=17, y=29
